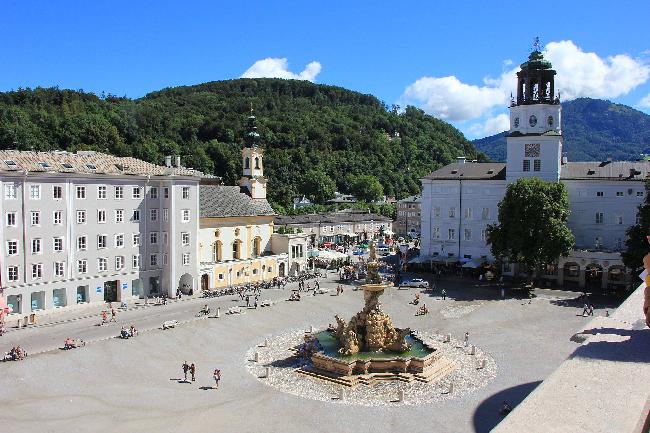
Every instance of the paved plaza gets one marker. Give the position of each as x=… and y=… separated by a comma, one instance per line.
x=136, y=385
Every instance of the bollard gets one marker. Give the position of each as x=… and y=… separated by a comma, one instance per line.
x=257, y=357
x=451, y=388
x=18, y=323
x=472, y=350
x=342, y=394
x=400, y=395
x=267, y=343
x=481, y=364
x=218, y=312
x=311, y=329
x=267, y=372
x=447, y=338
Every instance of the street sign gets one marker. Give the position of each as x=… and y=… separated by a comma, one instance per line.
x=99, y=290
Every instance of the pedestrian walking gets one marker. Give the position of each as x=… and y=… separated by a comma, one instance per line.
x=591, y=310
x=466, y=339
x=217, y=377
x=186, y=368
x=248, y=301
x=104, y=317
x=585, y=310
x=113, y=315
x=444, y=294
x=193, y=371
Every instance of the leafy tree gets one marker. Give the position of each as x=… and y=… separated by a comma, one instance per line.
x=317, y=186
x=367, y=188
x=637, y=245
x=531, y=226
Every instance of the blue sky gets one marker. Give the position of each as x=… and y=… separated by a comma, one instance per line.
x=453, y=59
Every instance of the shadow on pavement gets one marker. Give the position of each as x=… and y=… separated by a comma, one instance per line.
x=487, y=416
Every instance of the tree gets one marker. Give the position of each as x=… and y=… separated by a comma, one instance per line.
x=317, y=186
x=367, y=188
x=531, y=227
x=637, y=245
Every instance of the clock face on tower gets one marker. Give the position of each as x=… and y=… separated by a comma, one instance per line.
x=532, y=121
x=516, y=122
x=531, y=150
x=550, y=120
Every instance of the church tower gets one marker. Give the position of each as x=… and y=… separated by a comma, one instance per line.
x=534, y=142
x=253, y=179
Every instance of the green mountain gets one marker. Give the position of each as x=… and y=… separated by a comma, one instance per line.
x=323, y=129
x=593, y=129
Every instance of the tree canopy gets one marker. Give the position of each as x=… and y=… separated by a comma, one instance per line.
x=531, y=226
x=317, y=186
x=636, y=244
x=367, y=188
x=303, y=126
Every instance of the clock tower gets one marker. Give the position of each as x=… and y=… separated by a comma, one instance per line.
x=253, y=179
x=534, y=142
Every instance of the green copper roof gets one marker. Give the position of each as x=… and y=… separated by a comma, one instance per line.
x=536, y=61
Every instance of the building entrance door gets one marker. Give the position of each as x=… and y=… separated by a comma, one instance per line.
x=110, y=291
x=205, y=282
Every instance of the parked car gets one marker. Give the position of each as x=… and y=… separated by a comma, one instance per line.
x=415, y=282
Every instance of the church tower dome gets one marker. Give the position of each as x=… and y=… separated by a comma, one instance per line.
x=253, y=179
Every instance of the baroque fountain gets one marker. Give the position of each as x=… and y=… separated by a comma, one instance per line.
x=369, y=347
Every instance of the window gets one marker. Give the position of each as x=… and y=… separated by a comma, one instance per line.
x=598, y=242
x=11, y=219
x=619, y=193
x=82, y=266
x=619, y=244
x=12, y=248
x=186, y=215
x=185, y=239
x=452, y=212
x=153, y=215
x=153, y=238
x=136, y=239
x=136, y=215
x=101, y=216
x=81, y=192
x=435, y=233
x=619, y=219
x=12, y=273
x=37, y=271
x=537, y=165
x=452, y=234
x=91, y=166
x=102, y=264
x=468, y=234
x=35, y=192
x=102, y=241
x=10, y=191
x=119, y=263
x=166, y=192
x=57, y=192
x=37, y=246
x=101, y=192
x=165, y=259
x=165, y=215
x=36, y=218
x=485, y=214
x=165, y=238
x=136, y=192
x=59, y=269
x=119, y=241
x=153, y=260
x=639, y=193
x=135, y=261
x=81, y=217
x=599, y=194
x=235, y=250
x=119, y=215
x=186, y=259
x=186, y=192
x=58, y=245
x=526, y=165
x=468, y=213
x=82, y=243
x=67, y=165
x=119, y=192
x=153, y=192
x=637, y=219
x=216, y=252
x=483, y=235
x=600, y=217
x=58, y=217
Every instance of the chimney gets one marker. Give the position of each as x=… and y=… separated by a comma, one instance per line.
x=178, y=161
x=565, y=159
x=609, y=158
x=461, y=159
x=168, y=161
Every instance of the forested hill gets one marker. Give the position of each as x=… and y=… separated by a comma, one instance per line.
x=593, y=129
x=304, y=127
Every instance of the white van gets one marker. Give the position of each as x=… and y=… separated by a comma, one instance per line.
x=383, y=251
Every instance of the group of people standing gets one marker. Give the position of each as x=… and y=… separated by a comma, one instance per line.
x=191, y=369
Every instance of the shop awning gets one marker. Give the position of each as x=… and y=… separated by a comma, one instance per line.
x=471, y=265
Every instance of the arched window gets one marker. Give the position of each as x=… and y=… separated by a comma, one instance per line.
x=257, y=163
x=236, y=251
x=216, y=251
x=247, y=163
x=257, y=246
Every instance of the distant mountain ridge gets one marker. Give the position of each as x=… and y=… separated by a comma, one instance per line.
x=593, y=129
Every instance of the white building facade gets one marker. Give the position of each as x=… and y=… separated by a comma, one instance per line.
x=91, y=227
x=461, y=199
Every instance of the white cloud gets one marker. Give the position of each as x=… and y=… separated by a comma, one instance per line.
x=645, y=102
x=491, y=126
x=279, y=68
x=579, y=73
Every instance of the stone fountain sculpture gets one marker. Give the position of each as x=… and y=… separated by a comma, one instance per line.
x=371, y=329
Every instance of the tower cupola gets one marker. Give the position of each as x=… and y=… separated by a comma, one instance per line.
x=535, y=80
x=252, y=165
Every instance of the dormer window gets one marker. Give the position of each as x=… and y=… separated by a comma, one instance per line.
x=44, y=164
x=10, y=163
x=590, y=172
x=67, y=165
x=454, y=171
x=490, y=171
x=91, y=166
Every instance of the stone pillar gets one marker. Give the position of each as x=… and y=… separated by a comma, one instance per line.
x=581, y=280
x=604, y=280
